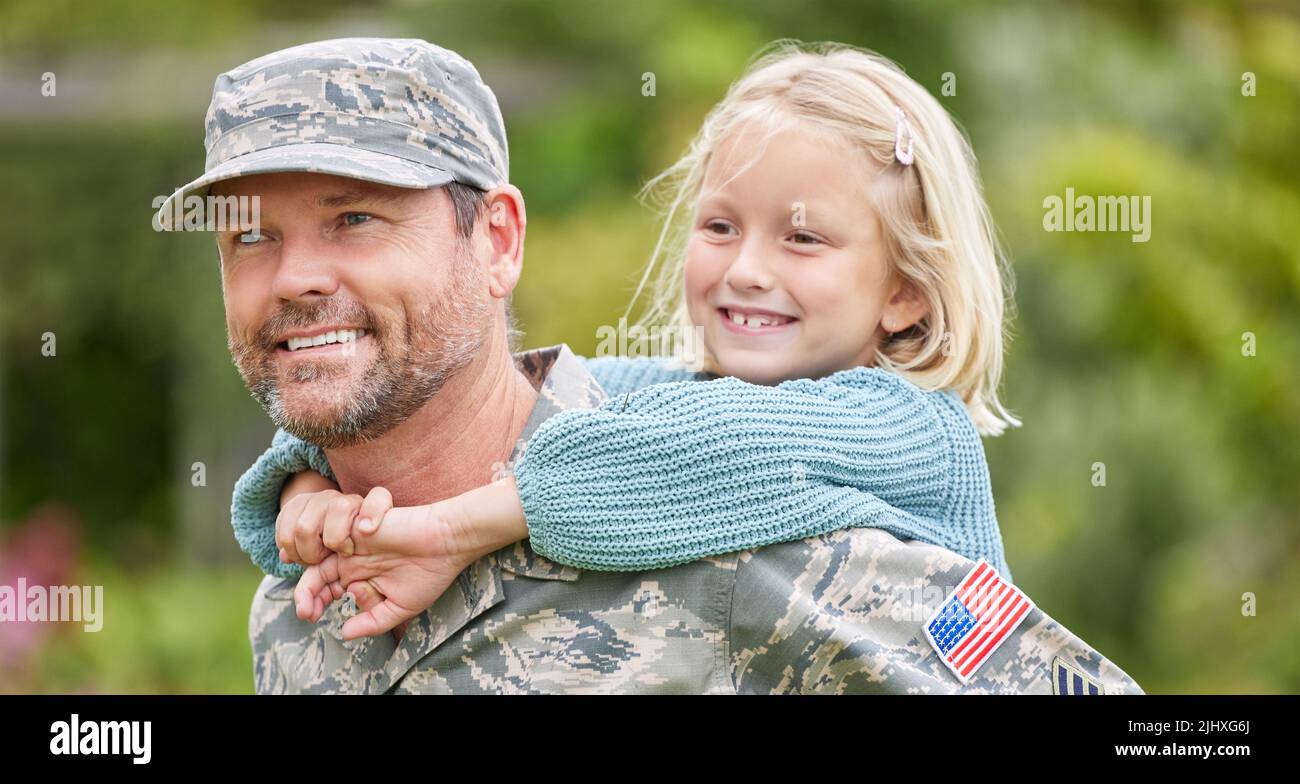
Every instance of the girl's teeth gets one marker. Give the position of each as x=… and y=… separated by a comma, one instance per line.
x=753, y=321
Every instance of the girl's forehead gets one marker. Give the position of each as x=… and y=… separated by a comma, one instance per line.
x=796, y=161
x=778, y=140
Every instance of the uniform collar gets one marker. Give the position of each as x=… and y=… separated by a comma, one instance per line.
x=562, y=382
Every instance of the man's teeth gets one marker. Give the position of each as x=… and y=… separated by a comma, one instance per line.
x=753, y=321
x=325, y=338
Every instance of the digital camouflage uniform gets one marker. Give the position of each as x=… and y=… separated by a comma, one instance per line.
x=837, y=613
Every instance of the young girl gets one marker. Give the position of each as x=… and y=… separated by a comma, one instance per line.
x=827, y=232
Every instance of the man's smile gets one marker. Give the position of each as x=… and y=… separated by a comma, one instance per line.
x=320, y=340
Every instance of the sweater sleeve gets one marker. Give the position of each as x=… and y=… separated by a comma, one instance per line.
x=256, y=502
x=619, y=375
x=680, y=471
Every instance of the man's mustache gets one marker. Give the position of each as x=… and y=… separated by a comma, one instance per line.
x=295, y=315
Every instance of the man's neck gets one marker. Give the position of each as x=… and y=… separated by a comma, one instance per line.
x=454, y=443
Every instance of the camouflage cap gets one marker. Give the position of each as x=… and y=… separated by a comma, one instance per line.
x=401, y=112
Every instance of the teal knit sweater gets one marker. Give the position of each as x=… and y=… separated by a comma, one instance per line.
x=677, y=466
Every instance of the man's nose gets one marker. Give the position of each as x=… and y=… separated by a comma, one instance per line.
x=751, y=268
x=304, y=270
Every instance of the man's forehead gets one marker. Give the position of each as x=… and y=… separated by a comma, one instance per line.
x=325, y=190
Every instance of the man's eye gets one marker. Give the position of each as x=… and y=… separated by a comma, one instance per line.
x=250, y=238
x=355, y=218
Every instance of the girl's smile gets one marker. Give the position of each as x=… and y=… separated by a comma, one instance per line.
x=786, y=268
x=752, y=321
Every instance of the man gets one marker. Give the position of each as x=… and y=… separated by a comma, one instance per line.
x=388, y=225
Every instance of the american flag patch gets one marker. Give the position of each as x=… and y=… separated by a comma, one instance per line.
x=977, y=617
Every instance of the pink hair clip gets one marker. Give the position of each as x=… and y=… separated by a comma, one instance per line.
x=904, y=158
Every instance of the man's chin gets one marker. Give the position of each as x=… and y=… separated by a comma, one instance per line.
x=326, y=433
x=313, y=411
x=328, y=396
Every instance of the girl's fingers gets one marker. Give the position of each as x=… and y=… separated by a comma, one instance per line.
x=337, y=528
x=365, y=594
x=380, y=618
x=312, y=582
x=284, y=525
x=308, y=527
x=376, y=504
x=324, y=599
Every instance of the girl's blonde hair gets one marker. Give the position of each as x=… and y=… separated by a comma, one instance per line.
x=939, y=235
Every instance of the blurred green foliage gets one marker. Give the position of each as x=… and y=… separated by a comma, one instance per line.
x=1124, y=353
x=173, y=631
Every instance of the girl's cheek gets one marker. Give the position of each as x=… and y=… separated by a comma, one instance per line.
x=833, y=305
x=702, y=265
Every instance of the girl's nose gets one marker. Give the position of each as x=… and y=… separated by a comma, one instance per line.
x=749, y=270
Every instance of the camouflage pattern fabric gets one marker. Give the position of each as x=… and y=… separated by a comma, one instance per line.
x=401, y=112
x=836, y=614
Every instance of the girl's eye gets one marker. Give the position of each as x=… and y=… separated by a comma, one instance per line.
x=804, y=238
x=721, y=228
x=355, y=218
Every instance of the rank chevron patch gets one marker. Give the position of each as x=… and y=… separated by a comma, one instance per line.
x=1068, y=679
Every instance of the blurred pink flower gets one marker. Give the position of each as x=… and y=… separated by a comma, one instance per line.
x=45, y=550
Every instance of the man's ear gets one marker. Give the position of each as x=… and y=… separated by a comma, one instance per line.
x=905, y=307
x=505, y=221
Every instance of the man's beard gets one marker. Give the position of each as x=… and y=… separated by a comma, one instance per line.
x=407, y=370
